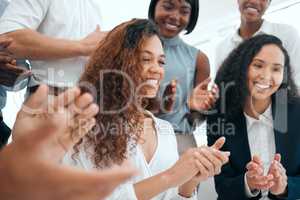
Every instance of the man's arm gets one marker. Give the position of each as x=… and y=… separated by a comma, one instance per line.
x=30, y=44
x=21, y=21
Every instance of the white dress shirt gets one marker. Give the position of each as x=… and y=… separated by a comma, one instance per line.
x=262, y=143
x=165, y=156
x=287, y=34
x=64, y=19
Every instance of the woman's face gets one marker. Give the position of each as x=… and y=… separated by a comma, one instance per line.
x=265, y=73
x=172, y=16
x=153, y=59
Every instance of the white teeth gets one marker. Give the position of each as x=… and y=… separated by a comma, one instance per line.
x=152, y=82
x=250, y=9
x=171, y=26
x=262, y=86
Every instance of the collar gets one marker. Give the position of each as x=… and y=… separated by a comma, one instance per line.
x=265, y=28
x=175, y=41
x=264, y=118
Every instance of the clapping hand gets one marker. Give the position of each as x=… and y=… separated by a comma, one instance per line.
x=201, y=98
x=279, y=176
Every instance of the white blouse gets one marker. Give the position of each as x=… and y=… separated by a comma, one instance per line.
x=165, y=156
x=262, y=143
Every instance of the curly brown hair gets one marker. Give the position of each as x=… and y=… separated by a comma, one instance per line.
x=114, y=70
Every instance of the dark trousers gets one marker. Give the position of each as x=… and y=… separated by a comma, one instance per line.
x=4, y=133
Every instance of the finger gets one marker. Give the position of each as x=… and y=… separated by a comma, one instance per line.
x=266, y=186
x=36, y=101
x=252, y=174
x=272, y=168
x=215, y=89
x=203, y=85
x=277, y=157
x=277, y=173
x=202, y=170
x=219, y=143
x=205, y=162
x=5, y=41
x=17, y=73
x=257, y=160
x=6, y=59
x=222, y=156
x=14, y=62
x=66, y=97
x=86, y=115
x=170, y=90
x=252, y=165
x=80, y=103
x=210, y=155
x=211, y=100
x=263, y=180
x=15, y=68
x=89, y=112
x=255, y=167
x=174, y=83
x=255, y=173
x=279, y=169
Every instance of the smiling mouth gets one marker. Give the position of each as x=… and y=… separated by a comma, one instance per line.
x=172, y=27
x=251, y=10
x=262, y=87
x=152, y=82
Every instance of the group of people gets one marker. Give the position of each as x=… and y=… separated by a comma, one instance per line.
x=137, y=93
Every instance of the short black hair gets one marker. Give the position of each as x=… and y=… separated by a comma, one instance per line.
x=234, y=70
x=193, y=18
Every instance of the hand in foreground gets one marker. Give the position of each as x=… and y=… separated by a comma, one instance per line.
x=29, y=167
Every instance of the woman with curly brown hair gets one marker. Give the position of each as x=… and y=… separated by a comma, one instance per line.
x=123, y=73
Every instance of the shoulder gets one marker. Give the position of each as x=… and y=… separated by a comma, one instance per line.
x=294, y=106
x=164, y=126
x=282, y=27
x=226, y=41
x=223, y=49
x=190, y=49
x=285, y=32
x=202, y=60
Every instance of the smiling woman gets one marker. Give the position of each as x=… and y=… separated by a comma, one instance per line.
x=153, y=59
x=265, y=76
x=132, y=58
x=259, y=96
x=181, y=94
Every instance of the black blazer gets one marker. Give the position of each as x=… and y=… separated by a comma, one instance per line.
x=230, y=183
